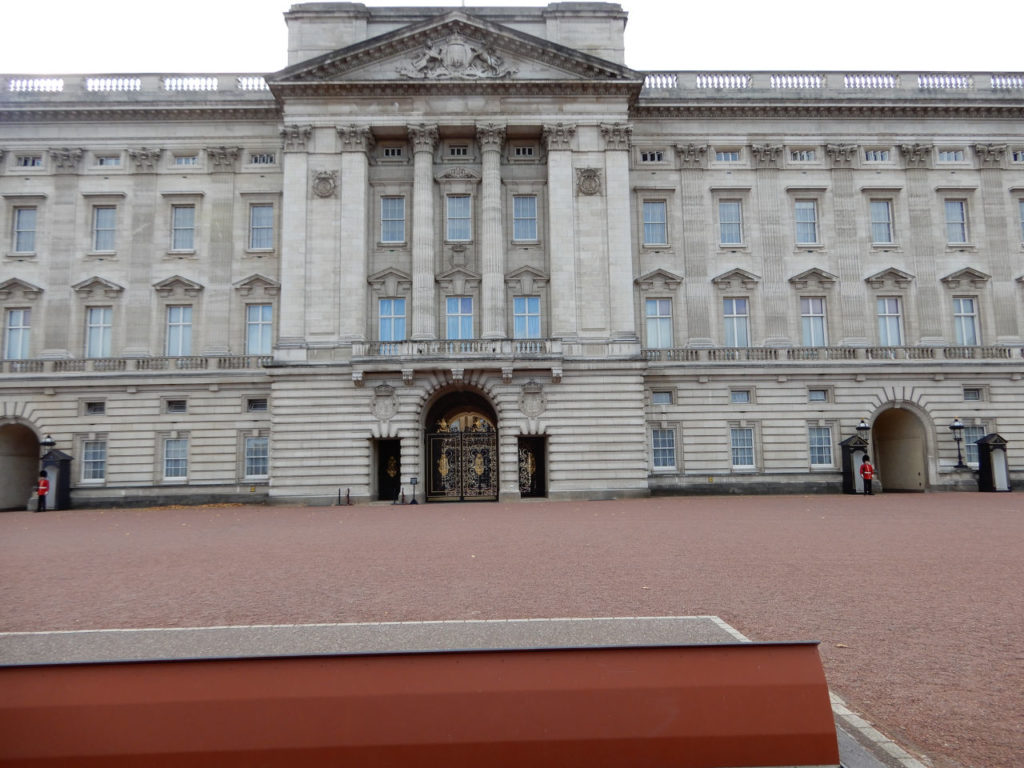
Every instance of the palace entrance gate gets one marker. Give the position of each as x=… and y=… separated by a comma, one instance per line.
x=462, y=449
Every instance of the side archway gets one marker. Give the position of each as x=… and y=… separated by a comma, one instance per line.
x=19, y=464
x=900, y=447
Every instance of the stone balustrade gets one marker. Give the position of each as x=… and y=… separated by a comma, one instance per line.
x=132, y=87
x=459, y=348
x=825, y=354
x=175, y=365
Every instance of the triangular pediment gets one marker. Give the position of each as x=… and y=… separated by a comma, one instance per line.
x=258, y=285
x=660, y=280
x=735, y=279
x=19, y=289
x=458, y=279
x=97, y=286
x=814, y=277
x=890, y=278
x=390, y=282
x=176, y=285
x=526, y=279
x=964, y=277
x=453, y=47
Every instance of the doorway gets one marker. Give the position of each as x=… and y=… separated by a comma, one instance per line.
x=532, y=463
x=900, y=450
x=19, y=465
x=462, y=449
x=389, y=469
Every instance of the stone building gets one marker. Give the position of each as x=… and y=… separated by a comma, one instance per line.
x=472, y=247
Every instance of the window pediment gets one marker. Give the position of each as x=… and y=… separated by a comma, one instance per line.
x=177, y=285
x=526, y=279
x=390, y=282
x=659, y=280
x=19, y=289
x=735, y=279
x=968, y=276
x=458, y=280
x=94, y=287
x=890, y=278
x=258, y=285
x=813, y=277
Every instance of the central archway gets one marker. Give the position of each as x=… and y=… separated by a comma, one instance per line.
x=461, y=439
x=900, y=450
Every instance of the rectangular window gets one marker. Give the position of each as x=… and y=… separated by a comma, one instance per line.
x=257, y=457
x=812, y=322
x=524, y=217
x=179, y=331
x=661, y=398
x=458, y=150
x=261, y=227
x=459, y=210
x=739, y=396
x=392, y=219
x=459, y=317
x=262, y=158
x=259, y=320
x=175, y=458
x=730, y=222
x=256, y=405
x=956, y=221
x=95, y=408
x=972, y=434
x=742, y=444
x=736, y=313
x=391, y=319
x=183, y=227
x=94, y=459
x=185, y=160
x=1018, y=155
x=16, y=334
x=97, y=331
x=881, y=221
x=659, y=323
x=653, y=156
x=965, y=321
x=176, y=406
x=803, y=155
x=820, y=443
x=663, y=448
x=108, y=160
x=817, y=395
x=951, y=155
x=24, y=230
x=806, y=215
x=890, y=322
x=876, y=155
x=392, y=152
x=29, y=161
x=972, y=393
x=526, y=317
x=104, y=227
x=727, y=156
x=655, y=222
x=522, y=151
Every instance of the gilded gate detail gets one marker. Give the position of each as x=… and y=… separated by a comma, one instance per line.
x=463, y=462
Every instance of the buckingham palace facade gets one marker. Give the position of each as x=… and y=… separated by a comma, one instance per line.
x=472, y=247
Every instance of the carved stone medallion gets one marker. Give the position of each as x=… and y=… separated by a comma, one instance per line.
x=384, y=404
x=588, y=181
x=532, y=401
x=325, y=183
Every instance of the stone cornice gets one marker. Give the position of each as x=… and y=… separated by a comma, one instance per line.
x=269, y=112
x=627, y=91
x=733, y=110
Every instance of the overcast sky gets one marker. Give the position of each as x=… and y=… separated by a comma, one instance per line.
x=108, y=36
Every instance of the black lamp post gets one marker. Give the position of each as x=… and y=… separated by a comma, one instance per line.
x=413, y=481
x=46, y=444
x=957, y=428
x=863, y=430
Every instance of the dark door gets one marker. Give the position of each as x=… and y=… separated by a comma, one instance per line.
x=532, y=481
x=389, y=469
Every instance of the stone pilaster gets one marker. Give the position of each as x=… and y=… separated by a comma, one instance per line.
x=775, y=299
x=853, y=299
x=492, y=243
x=622, y=317
x=424, y=319
x=323, y=249
x=697, y=245
x=925, y=238
x=997, y=246
x=562, y=226
x=216, y=301
x=294, y=205
x=356, y=142
x=59, y=339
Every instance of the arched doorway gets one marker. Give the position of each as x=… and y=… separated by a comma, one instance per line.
x=900, y=450
x=19, y=465
x=462, y=449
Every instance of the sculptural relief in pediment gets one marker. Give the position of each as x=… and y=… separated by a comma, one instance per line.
x=456, y=58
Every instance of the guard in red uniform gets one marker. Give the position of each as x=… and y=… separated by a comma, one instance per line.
x=42, y=488
x=867, y=472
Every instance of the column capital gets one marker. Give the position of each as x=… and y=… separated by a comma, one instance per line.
x=355, y=138
x=145, y=158
x=691, y=155
x=990, y=155
x=841, y=155
x=616, y=135
x=916, y=155
x=424, y=137
x=65, y=159
x=295, y=137
x=766, y=155
x=223, y=158
x=491, y=136
x=559, y=136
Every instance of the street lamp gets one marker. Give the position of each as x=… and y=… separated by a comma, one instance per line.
x=47, y=444
x=957, y=428
x=863, y=429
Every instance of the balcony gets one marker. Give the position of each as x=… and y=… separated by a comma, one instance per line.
x=820, y=354
x=460, y=349
x=175, y=365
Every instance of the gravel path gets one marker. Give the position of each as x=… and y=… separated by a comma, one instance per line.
x=917, y=599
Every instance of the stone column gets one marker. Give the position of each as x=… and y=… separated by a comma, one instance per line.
x=291, y=324
x=424, y=320
x=775, y=301
x=621, y=317
x=562, y=230
x=492, y=243
x=922, y=245
x=356, y=142
x=1002, y=264
x=57, y=340
x=219, y=206
x=853, y=301
x=145, y=241
x=697, y=246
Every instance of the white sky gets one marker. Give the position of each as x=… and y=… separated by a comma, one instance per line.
x=207, y=36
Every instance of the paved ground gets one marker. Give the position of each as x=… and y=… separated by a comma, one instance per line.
x=916, y=599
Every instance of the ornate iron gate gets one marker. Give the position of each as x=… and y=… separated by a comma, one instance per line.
x=463, y=466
